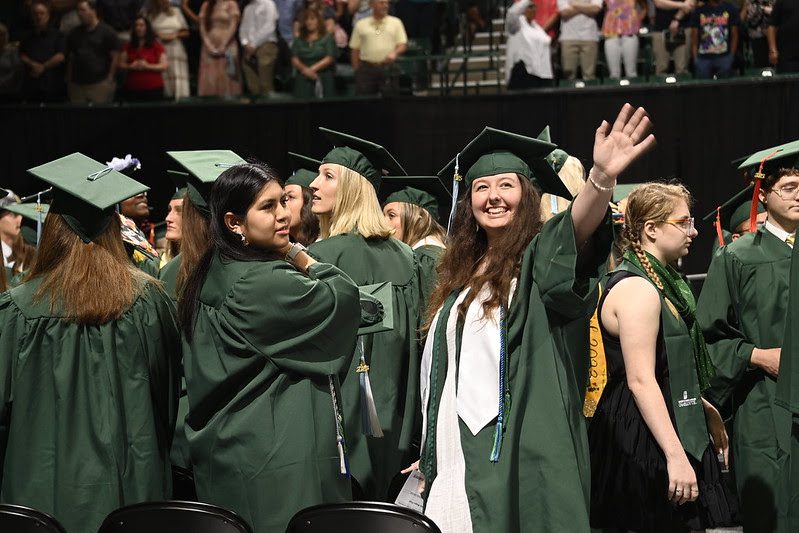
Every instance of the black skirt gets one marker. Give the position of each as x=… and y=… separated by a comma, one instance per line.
x=629, y=478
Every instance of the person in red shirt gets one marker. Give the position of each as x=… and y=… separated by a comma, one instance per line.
x=547, y=16
x=144, y=60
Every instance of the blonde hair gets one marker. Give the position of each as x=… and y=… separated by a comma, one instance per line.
x=418, y=224
x=650, y=201
x=572, y=174
x=356, y=209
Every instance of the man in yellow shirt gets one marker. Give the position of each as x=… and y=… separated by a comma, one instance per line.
x=376, y=43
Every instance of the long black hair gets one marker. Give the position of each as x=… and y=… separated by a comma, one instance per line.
x=149, y=34
x=234, y=191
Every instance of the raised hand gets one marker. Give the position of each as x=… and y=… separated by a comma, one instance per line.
x=627, y=141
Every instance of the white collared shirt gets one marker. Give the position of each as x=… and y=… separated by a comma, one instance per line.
x=777, y=231
x=259, y=23
x=527, y=42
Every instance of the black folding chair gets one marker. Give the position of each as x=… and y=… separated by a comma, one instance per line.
x=174, y=516
x=360, y=517
x=26, y=520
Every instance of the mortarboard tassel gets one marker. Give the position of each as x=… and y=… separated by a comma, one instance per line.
x=344, y=465
x=756, y=193
x=369, y=419
x=504, y=390
x=719, y=233
x=38, y=218
x=456, y=181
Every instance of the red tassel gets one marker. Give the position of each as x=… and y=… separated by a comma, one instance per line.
x=755, y=196
x=755, y=200
x=719, y=233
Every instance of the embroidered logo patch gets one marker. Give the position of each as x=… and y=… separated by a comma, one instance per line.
x=686, y=401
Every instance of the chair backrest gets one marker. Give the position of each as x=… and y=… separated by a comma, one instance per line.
x=360, y=517
x=172, y=516
x=26, y=520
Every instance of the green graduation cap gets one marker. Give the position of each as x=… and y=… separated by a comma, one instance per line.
x=305, y=170
x=204, y=167
x=495, y=151
x=30, y=210
x=368, y=159
x=377, y=309
x=428, y=192
x=557, y=157
x=180, y=180
x=86, y=192
x=765, y=162
x=732, y=213
x=622, y=191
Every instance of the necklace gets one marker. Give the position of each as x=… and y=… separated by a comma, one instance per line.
x=378, y=26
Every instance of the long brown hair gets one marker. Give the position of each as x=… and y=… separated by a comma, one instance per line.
x=91, y=283
x=308, y=230
x=22, y=253
x=195, y=241
x=418, y=224
x=468, y=262
x=321, y=30
x=650, y=201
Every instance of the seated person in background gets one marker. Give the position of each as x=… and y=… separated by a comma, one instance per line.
x=313, y=57
x=714, y=39
x=42, y=52
x=528, y=63
x=144, y=59
x=377, y=41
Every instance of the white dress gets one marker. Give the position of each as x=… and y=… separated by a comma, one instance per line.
x=176, y=76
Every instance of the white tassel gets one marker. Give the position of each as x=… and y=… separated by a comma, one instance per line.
x=341, y=459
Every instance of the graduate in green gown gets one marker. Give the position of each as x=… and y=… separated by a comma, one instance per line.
x=731, y=219
x=411, y=206
x=204, y=167
x=505, y=446
x=742, y=310
x=89, y=350
x=380, y=389
x=299, y=199
x=173, y=224
x=786, y=398
x=267, y=332
x=34, y=211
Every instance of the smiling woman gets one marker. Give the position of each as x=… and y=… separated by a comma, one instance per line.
x=498, y=369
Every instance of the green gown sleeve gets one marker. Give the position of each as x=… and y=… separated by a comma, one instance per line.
x=305, y=326
x=7, y=362
x=567, y=279
x=716, y=312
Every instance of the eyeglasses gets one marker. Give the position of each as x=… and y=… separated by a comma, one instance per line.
x=685, y=224
x=788, y=191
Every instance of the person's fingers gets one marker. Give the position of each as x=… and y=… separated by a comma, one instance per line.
x=643, y=147
x=623, y=117
x=601, y=132
x=694, y=493
x=638, y=115
x=672, y=489
x=642, y=128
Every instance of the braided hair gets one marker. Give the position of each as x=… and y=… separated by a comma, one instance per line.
x=650, y=201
